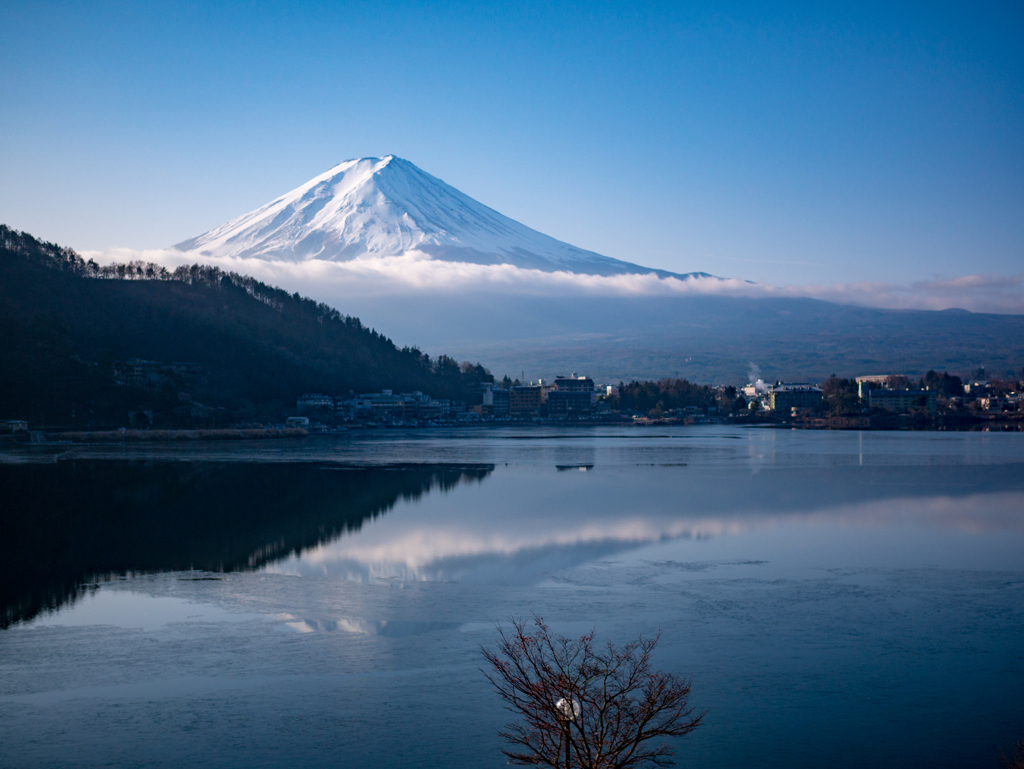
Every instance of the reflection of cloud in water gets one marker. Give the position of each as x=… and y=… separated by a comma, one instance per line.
x=383, y=628
x=411, y=551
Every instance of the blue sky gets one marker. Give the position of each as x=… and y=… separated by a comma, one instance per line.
x=783, y=143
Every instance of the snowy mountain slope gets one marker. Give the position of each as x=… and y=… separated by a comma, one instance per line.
x=376, y=207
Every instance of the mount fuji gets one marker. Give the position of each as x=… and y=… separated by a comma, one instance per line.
x=381, y=207
x=430, y=266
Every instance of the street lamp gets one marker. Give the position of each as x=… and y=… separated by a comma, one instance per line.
x=570, y=711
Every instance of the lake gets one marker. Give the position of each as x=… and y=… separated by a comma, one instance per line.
x=838, y=599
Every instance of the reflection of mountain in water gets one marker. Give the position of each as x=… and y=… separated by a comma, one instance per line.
x=530, y=523
x=69, y=522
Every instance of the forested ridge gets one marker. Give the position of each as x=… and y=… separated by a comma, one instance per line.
x=67, y=322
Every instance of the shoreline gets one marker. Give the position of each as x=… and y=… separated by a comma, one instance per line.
x=153, y=436
x=887, y=423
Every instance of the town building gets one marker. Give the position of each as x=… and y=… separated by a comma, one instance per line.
x=575, y=384
x=353, y=408
x=500, y=403
x=757, y=395
x=316, y=405
x=871, y=382
x=785, y=397
x=14, y=430
x=573, y=395
x=386, y=406
x=902, y=401
x=432, y=411
x=997, y=403
x=525, y=399
x=389, y=410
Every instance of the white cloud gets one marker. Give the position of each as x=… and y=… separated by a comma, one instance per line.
x=417, y=273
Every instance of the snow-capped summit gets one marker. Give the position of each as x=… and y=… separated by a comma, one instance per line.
x=388, y=207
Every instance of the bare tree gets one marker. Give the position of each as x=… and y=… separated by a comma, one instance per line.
x=585, y=706
x=1015, y=759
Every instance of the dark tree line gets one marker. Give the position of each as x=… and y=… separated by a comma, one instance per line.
x=946, y=385
x=840, y=395
x=661, y=396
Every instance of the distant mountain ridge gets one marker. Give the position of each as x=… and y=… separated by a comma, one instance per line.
x=379, y=207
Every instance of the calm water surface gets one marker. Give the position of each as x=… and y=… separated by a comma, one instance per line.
x=839, y=599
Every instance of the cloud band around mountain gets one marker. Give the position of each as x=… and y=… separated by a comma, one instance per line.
x=416, y=273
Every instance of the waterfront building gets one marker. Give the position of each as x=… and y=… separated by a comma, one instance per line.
x=902, y=401
x=575, y=384
x=571, y=395
x=315, y=405
x=500, y=402
x=871, y=382
x=525, y=399
x=800, y=396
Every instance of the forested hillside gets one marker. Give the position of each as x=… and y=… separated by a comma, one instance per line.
x=66, y=324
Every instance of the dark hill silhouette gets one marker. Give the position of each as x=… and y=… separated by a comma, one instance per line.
x=70, y=522
x=65, y=322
